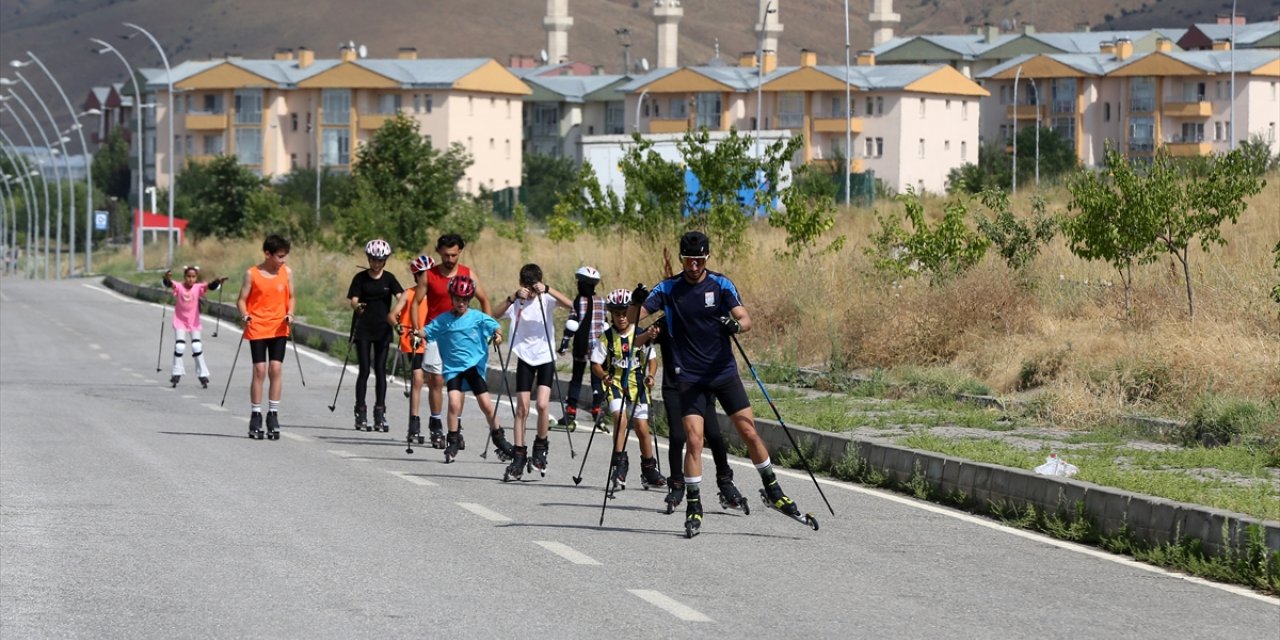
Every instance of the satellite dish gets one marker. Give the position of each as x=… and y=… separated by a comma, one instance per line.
x=644, y=64
x=363, y=51
x=542, y=55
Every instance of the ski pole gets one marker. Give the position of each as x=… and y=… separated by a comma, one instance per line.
x=408, y=371
x=160, y=348
x=625, y=429
x=595, y=427
x=777, y=415
x=559, y=396
x=351, y=334
x=296, y=357
x=233, y=370
x=218, y=323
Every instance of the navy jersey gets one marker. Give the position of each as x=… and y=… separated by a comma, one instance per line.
x=700, y=351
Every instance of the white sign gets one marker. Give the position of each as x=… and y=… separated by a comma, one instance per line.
x=100, y=220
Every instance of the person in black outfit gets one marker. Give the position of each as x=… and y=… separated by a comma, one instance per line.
x=373, y=292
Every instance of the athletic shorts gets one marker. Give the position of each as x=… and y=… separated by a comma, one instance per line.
x=415, y=360
x=268, y=348
x=641, y=409
x=697, y=398
x=527, y=374
x=431, y=362
x=472, y=378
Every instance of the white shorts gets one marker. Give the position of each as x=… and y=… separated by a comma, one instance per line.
x=642, y=409
x=431, y=362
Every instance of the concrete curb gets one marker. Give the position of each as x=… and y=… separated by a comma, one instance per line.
x=1148, y=519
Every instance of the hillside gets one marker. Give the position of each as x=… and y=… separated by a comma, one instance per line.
x=58, y=30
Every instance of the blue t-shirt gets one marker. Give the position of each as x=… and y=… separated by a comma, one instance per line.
x=700, y=351
x=463, y=340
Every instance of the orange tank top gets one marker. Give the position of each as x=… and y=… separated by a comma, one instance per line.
x=268, y=304
x=406, y=340
x=438, y=299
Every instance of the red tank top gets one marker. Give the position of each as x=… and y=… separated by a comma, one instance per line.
x=438, y=298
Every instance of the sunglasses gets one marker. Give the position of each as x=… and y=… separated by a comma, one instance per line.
x=694, y=259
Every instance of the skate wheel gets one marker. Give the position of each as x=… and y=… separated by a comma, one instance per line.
x=811, y=521
x=746, y=508
x=422, y=440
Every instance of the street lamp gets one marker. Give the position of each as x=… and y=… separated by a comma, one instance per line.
x=88, y=169
x=137, y=133
x=29, y=187
x=764, y=24
x=168, y=77
x=57, y=176
x=848, y=107
x=1231, y=121
x=639, y=103
x=62, y=147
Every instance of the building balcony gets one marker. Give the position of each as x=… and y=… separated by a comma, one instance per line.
x=832, y=166
x=373, y=120
x=1142, y=105
x=206, y=121
x=790, y=120
x=1063, y=107
x=673, y=125
x=1025, y=111
x=1141, y=145
x=201, y=159
x=1181, y=147
x=837, y=125
x=1200, y=109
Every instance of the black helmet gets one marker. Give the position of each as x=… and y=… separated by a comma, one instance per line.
x=695, y=243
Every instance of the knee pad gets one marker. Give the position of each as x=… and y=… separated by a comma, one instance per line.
x=179, y=347
x=196, y=349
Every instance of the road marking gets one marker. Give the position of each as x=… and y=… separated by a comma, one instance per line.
x=418, y=480
x=4, y=298
x=137, y=375
x=661, y=601
x=566, y=552
x=342, y=454
x=492, y=516
x=126, y=369
x=294, y=436
x=95, y=347
x=215, y=407
x=188, y=396
x=118, y=296
x=104, y=356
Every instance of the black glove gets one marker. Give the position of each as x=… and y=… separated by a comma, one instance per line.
x=639, y=294
x=729, y=325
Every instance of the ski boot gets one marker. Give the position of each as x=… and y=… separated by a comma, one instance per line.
x=730, y=497
x=414, y=433
x=173, y=381
x=569, y=421
x=462, y=442
x=539, y=459
x=675, y=494
x=255, y=425
x=649, y=474
x=519, y=458
x=596, y=415
x=362, y=422
x=451, y=447
x=618, y=481
x=778, y=501
x=501, y=447
x=437, y=433
x=273, y=426
x=204, y=382
x=693, y=518
x=380, y=419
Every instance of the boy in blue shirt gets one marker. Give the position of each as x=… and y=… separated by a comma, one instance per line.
x=463, y=338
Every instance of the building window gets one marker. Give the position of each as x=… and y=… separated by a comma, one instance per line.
x=293, y=122
x=471, y=105
x=1066, y=128
x=921, y=148
x=870, y=105
x=964, y=151
x=417, y=103
x=308, y=122
x=1142, y=94
x=1004, y=94
x=1271, y=132
x=388, y=104
x=509, y=109
x=1004, y=132
x=1217, y=131
x=1192, y=132
x=213, y=144
x=1062, y=93
x=922, y=103
x=1274, y=96
x=189, y=145
x=948, y=103
x=679, y=109
x=1106, y=112
x=1142, y=131
x=293, y=161
x=212, y=103
x=508, y=148
x=493, y=102
x=615, y=116
x=1218, y=90
x=946, y=145
x=337, y=106
x=249, y=106
x=470, y=146
x=708, y=106
x=492, y=144
x=791, y=110
x=336, y=147
x=879, y=147
x=249, y=145
x=964, y=110
x=879, y=105
x=870, y=150
x=426, y=101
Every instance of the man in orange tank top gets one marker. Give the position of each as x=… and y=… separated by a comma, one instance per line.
x=266, y=306
x=435, y=289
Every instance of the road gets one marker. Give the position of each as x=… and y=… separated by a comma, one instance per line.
x=129, y=509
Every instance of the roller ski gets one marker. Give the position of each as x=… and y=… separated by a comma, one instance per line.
x=451, y=446
x=362, y=421
x=414, y=434
x=775, y=499
x=601, y=424
x=380, y=419
x=539, y=459
x=649, y=474
x=569, y=421
x=204, y=382
x=693, y=518
x=730, y=497
x=503, y=449
x=462, y=442
x=255, y=425
x=173, y=381
x=675, y=494
x=515, y=470
x=618, y=477
x=273, y=426
x=437, y=433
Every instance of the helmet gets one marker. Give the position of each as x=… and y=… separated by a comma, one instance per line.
x=694, y=243
x=617, y=300
x=377, y=249
x=421, y=263
x=587, y=273
x=462, y=286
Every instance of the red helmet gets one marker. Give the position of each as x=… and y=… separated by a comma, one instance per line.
x=617, y=300
x=462, y=286
x=421, y=263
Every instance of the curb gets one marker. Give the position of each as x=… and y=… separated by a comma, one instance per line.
x=1151, y=520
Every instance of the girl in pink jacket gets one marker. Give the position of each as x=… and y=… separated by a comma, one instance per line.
x=186, y=320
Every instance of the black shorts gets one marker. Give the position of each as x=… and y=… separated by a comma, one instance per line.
x=472, y=378
x=527, y=374
x=675, y=411
x=697, y=398
x=268, y=348
x=415, y=360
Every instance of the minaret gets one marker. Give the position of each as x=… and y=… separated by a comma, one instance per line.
x=666, y=15
x=767, y=32
x=557, y=24
x=883, y=18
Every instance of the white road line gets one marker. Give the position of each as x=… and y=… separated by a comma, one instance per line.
x=4, y=298
x=104, y=356
x=342, y=454
x=418, y=480
x=122, y=298
x=137, y=375
x=566, y=552
x=126, y=369
x=188, y=397
x=294, y=436
x=215, y=407
x=661, y=601
x=492, y=516
x=95, y=347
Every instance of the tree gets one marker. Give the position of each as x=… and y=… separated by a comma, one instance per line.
x=111, y=167
x=217, y=197
x=545, y=179
x=403, y=187
x=994, y=169
x=943, y=251
x=1017, y=240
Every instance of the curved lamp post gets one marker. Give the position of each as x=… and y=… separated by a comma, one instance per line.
x=137, y=134
x=62, y=184
x=43, y=178
x=168, y=77
x=32, y=227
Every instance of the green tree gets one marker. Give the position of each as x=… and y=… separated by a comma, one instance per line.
x=544, y=180
x=111, y=167
x=945, y=250
x=994, y=169
x=297, y=191
x=1018, y=241
x=806, y=215
x=403, y=187
x=216, y=197
x=1275, y=291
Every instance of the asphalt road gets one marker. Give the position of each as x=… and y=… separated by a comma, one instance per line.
x=132, y=510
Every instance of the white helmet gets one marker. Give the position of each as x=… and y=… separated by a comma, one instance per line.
x=587, y=273
x=617, y=300
x=377, y=249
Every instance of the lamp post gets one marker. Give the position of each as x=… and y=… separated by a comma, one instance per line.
x=764, y=23
x=88, y=168
x=1231, y=121
x=137, y=136
x=57, y=176
x=848, y=107
x=168, y=77
x=639, y=103
x=1014, y=177
x=66, y=163
x=32, y=202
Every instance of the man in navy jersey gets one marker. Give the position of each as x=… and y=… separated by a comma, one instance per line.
x=703, y=309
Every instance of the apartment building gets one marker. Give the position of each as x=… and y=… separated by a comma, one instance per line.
x=911, y=124
x=294, y=111
x=563, y=108
x=1179, y=100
